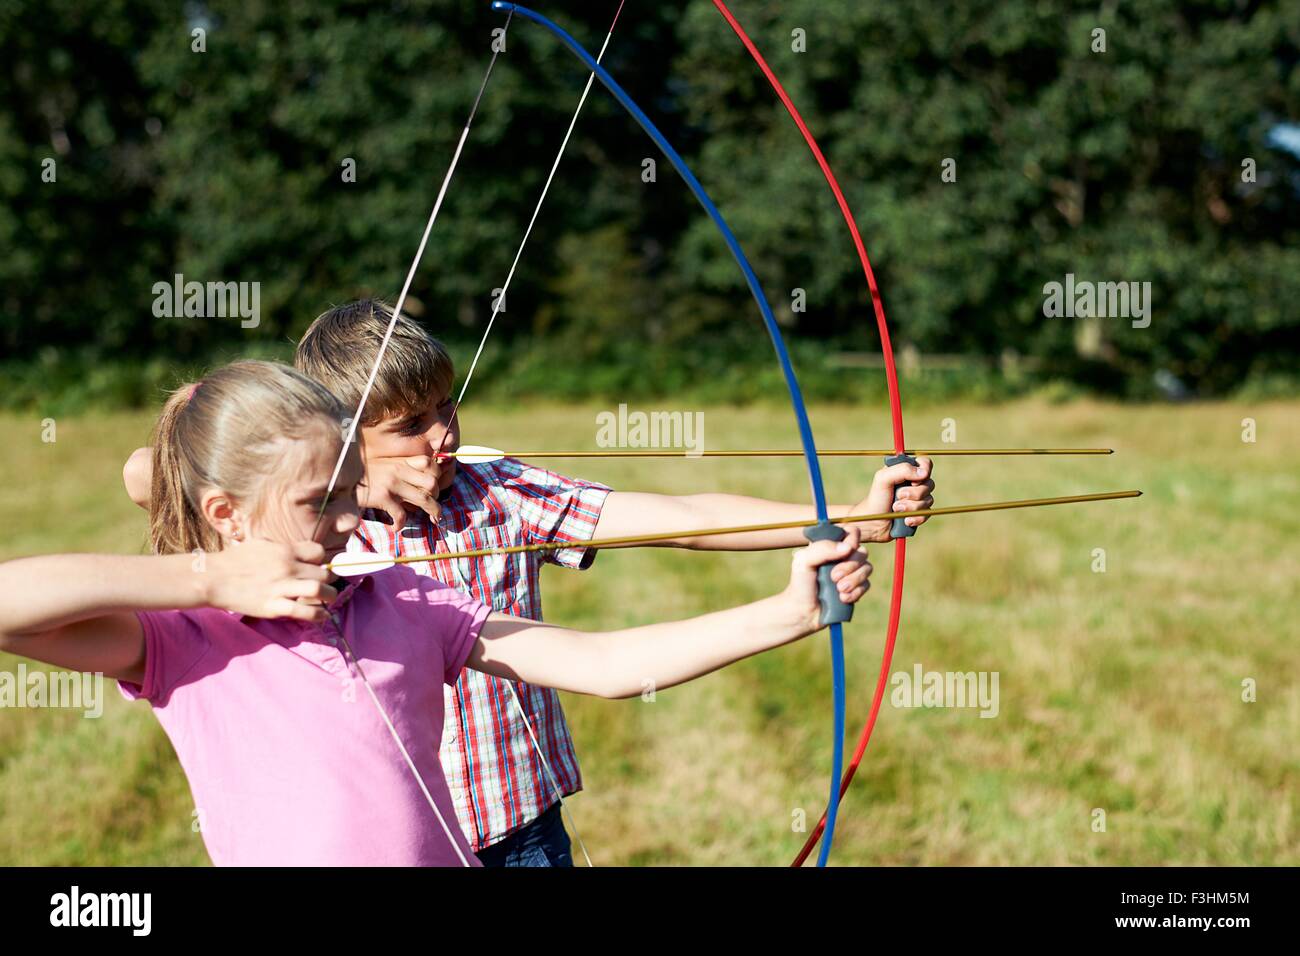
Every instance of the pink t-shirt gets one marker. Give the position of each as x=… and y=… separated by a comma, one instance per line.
x=288, y=760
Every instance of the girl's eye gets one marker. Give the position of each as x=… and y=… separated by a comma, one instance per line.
x=342, y=495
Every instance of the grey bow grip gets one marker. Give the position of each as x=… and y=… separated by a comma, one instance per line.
x=900, y=528
x=834, y=611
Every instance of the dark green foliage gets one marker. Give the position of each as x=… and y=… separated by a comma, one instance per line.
x=227, y=166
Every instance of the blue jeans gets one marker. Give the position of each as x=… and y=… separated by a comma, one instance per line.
x=543, y=842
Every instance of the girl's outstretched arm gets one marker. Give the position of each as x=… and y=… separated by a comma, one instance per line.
x=75, y=610
x=624, y=663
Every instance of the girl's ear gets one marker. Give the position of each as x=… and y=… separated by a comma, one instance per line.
x=226, y=518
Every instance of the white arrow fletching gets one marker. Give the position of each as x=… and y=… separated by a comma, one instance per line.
x=351, y=566
x=478, y=454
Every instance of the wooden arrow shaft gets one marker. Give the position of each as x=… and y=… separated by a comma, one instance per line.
x=788, y=453
x=741, y=529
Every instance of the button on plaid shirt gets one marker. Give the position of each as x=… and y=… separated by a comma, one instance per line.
x=497, y=782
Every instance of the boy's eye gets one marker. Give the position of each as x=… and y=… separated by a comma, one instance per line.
x=417, y=426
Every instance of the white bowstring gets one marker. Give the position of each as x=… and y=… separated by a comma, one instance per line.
x=419, y=779
x=555, y=785
x=406, y=286
x=500, y=302
x=374, y=372
x=496, y=308
x=356, y=419
x=546, y=766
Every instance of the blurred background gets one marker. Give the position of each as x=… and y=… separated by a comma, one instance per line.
x=987, y=150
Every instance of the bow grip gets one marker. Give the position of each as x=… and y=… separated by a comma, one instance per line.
x=900, y=528
x=834, y=610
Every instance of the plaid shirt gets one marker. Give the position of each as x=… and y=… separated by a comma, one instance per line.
x=497, y=782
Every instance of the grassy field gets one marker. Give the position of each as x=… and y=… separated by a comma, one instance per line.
x=1120, y=691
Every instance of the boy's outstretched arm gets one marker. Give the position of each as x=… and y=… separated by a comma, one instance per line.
x=634, y=513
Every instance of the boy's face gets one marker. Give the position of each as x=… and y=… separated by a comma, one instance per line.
x=418, y=433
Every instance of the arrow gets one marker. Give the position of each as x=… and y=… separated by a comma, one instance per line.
x=483, y=454
x=351, y=565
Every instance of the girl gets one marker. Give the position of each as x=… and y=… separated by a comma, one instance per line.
x=306, y=710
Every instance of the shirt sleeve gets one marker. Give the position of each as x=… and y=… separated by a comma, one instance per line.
x=173, y=644
x=552, y=507
x=457, y=620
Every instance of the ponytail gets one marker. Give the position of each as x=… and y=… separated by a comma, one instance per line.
x=175, y=525
x=229, y=432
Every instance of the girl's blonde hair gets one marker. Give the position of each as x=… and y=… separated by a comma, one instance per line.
x=228, y=432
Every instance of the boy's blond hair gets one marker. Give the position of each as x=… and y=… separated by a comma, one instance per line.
x=338, y=350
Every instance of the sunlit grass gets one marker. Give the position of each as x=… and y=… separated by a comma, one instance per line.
x=1119, y=691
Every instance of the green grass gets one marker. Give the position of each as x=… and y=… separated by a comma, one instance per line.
x=1119, y=691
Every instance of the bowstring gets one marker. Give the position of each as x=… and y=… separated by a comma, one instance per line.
x=410, y=277
x=467, y=586
x=361, y=406
x=497, y=306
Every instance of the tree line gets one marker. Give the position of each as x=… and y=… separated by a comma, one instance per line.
x=1109, y=192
